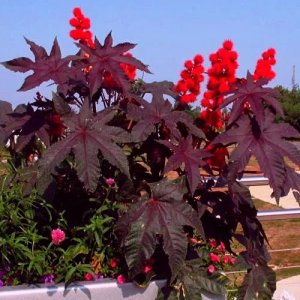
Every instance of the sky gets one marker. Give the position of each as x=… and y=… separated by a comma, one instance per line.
x=166, y=32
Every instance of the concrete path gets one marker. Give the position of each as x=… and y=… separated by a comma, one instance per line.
x=288, y=289
x=264, y=192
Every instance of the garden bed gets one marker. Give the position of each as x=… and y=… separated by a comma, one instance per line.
x=98, y=290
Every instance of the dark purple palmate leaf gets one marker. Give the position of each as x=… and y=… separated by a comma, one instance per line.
x=292, y=181
x=159, y=112
x=252, y=92
x=107, y=58
x=246, y=213
x=61, y=107
x=192, y=158
x=46, y=67
x=86, y=136
x=267, y=143
x=5, y=109
x=27, y=125
x=159, y=212
x=259, y=283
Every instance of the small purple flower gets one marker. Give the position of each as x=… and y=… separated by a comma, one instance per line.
x=98, y=277
x=49, y=279
x=1, y=283
x=110, y=181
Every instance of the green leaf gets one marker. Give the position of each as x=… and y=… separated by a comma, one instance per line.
x=74, y=251
x=70, y=273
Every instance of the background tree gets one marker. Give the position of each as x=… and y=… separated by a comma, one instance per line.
x=290, y=101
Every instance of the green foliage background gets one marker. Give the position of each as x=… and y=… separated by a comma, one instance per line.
x=290, y=101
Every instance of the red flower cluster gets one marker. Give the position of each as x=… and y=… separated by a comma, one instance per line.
x=188, y=87
x=264, y=65
x=56, y=127
x=218, y=258
x=218, y=160
x=212, y=118
x=82, y=25
x=221, y=78
x=82, y=33
x=221, y=75
x=129, y=70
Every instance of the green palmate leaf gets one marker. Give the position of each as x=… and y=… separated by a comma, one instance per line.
x=259, y=283
x=87, y=135
x=161, y=212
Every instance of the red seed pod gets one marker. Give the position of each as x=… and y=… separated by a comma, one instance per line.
x=227, y=44
x=198, y=59
x=74, y=22
x=86, y=23
x=77, y=13
x=76, y=34
x=188, y=64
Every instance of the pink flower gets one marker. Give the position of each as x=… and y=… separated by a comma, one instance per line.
x=114, y=263
x=193, y=241
x=57, y=236
x=110, y=181
x=226, y=259
x=211, y=269
x=233, y=260
x=215, y=258
x=221, y=247
x=88, y=277
x=121, y=279
x=147, y=269
x=212, y=243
